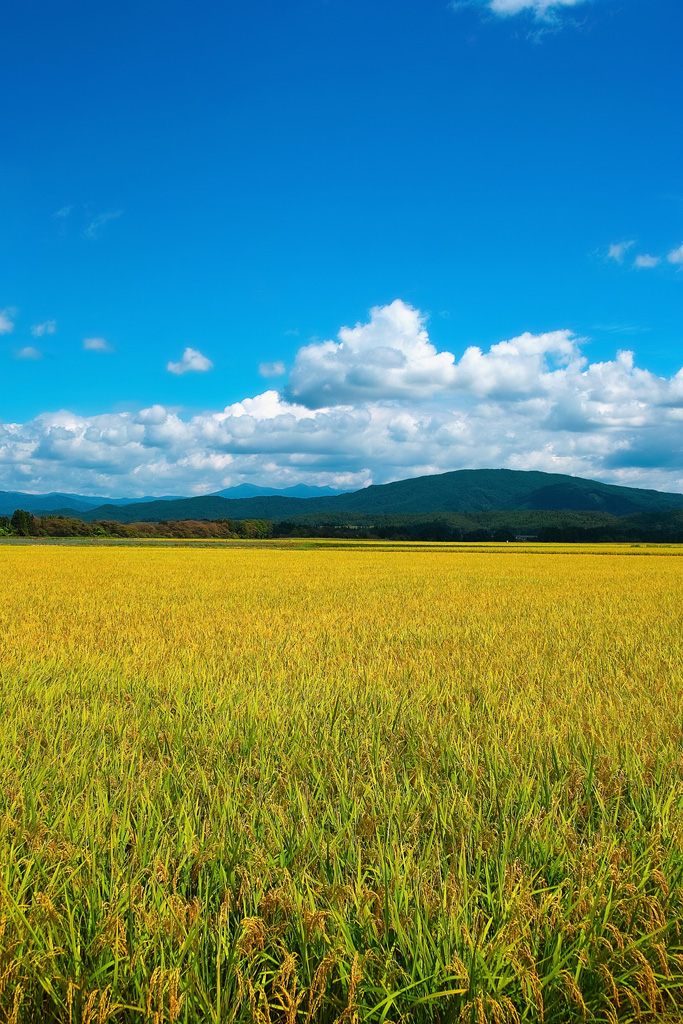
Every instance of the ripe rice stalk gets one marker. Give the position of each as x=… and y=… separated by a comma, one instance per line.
x=428, y=783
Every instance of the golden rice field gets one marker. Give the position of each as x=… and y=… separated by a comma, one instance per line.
x=325, y=783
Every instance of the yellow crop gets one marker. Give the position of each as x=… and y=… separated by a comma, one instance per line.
x=340, y=783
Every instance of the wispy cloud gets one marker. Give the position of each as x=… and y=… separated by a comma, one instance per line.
x=93, y=229
x=643, y=261
x=541, y=10
x=646, y=262
x=276, y=369
x=618, y=250
x=192, y=362
x=619, y=328
x=97, y=345
x=39, y=330
x=29, y=353
x=6, y=321
x=63, y=213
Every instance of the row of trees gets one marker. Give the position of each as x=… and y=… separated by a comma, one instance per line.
x=25, y=524
x=438, y=530
x=435, y=531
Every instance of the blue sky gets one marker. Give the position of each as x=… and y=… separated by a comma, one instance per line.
x=196, y=199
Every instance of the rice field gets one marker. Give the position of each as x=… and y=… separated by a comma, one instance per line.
x=321, y=783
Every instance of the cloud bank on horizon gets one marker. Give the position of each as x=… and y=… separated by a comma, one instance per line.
x=379, y=403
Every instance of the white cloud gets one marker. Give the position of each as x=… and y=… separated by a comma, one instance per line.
x=63, y=212
x=618, y=250
x=49, y=327
x=396, y=407
x=97, y=345
x=276, y=369
x=93, y=229
x=192, y=361
x=391, y=357
x=543, y=10
x=646, y=262
x=29, y=353
x=6, y=322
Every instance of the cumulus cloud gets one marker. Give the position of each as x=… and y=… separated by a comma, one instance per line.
x=391, y=357
x=396, y=406
x=618, y=250
x=676, y=256
x=276, y=369
x=49, y=327
x=192, y=362
x=97, y=345
x=646, y=262
x=30, y=353
x=6, y=321
x=93, y=229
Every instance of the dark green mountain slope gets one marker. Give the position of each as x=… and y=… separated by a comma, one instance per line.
x=479, y=490
x=463, y=491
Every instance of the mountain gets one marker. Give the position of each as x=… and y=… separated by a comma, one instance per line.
x=60, y=502
x=138, y=501
x=463, y=491
x=11, y=500
x=56, y=501
x=297, y=491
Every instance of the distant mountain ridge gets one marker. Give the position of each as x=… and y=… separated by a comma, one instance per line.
x=461, y=491
x=58, y=501
x=296, y=491
x=11, y=500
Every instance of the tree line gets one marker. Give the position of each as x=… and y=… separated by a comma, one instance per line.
x=25, y=524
